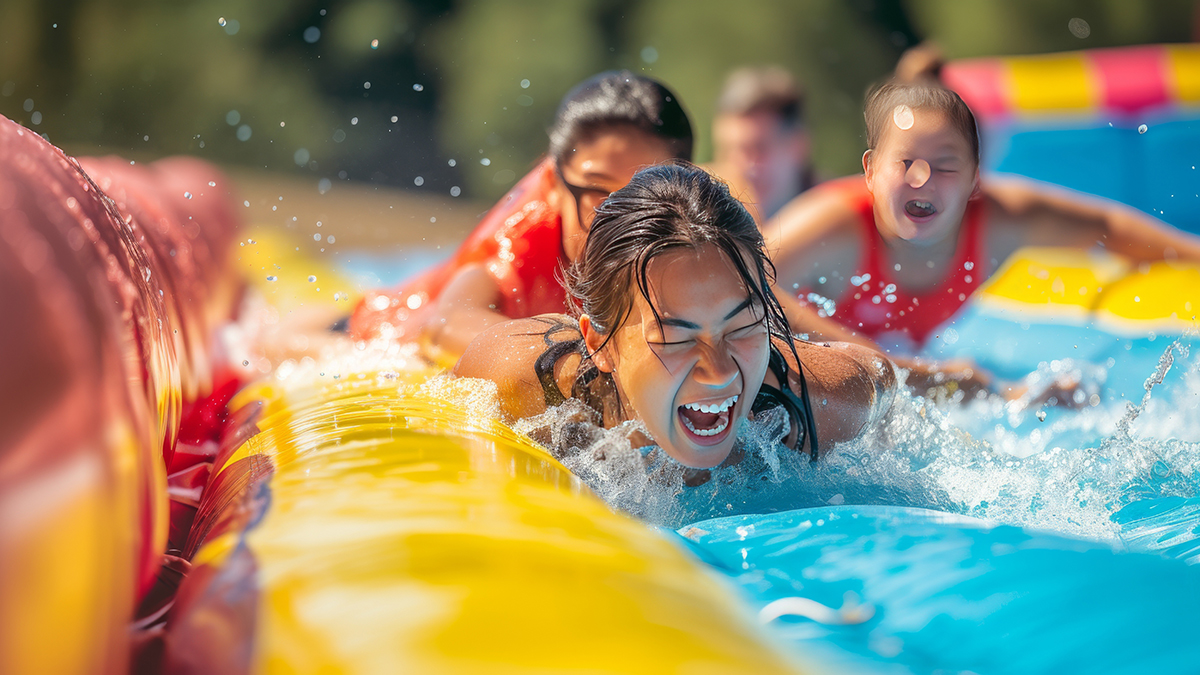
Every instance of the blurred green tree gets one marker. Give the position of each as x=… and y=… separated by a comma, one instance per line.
x=966, y=28
x=314, y=85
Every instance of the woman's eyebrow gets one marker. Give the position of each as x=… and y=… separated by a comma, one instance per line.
x=683, y=323
x=738, y=310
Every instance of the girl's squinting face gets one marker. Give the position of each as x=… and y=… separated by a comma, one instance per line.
x=692, y=379
x=921, y=177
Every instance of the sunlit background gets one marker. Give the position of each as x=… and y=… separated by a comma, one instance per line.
x=452, y=97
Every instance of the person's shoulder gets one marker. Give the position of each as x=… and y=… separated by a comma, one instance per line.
x=507, y=353
x=815, y=214
x=850, y=386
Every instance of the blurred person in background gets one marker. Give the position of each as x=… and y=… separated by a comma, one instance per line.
x=760, y=142
x=902, y=247
x=511, y=266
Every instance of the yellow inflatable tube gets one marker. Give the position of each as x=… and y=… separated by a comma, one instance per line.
x=409, y=531
x=1069, y=285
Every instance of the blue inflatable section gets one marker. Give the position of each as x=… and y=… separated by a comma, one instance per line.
x=953, y=594
x=1155, y=170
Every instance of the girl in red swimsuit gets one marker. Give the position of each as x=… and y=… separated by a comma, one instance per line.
x=894, y=253
x=510, y=267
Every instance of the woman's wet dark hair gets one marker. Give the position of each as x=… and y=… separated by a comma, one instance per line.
x=664, y=208
x=620, y=98
x=921, y=94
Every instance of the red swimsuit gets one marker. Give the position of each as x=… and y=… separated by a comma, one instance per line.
x=518, y=243
x=875, y=305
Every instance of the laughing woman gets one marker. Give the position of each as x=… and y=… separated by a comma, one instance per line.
x=680, y=332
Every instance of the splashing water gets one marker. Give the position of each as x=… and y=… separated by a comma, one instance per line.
x=987, y=459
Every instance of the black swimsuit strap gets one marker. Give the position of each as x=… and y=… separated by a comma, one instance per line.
x=798, y=407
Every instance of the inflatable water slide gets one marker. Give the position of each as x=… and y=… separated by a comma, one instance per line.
x=368, y=516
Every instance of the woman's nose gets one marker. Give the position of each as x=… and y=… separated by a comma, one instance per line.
x=918, y=173
x=716, y=368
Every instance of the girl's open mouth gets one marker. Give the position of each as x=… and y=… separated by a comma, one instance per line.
x=919, y=209
x=707, y=423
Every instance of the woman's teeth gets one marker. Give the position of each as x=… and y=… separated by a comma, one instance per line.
x=711, y=418
x=707, y=432
x=714, y=408
x=919, y=209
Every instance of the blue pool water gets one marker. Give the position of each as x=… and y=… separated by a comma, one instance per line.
x=953, y=594
x=1062, y=542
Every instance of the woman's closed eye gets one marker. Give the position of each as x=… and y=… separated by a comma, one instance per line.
x=747, y=330
x=671, y=342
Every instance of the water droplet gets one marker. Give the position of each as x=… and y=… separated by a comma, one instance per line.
x=418, y=181
x=244, y=132
x=212, y=183
x=245, y=362
x=395, y=119
x=272, y=277
x=366, y=85
x=311, y=278
x=452, y=162
x=221, y=21
x=418, y=87
x=251, y=241
x=1041, y=415
x=649, y=54
x=316, y=237
x=485, y=161
x=375, y=44
x=312, y=34
x=455, y=191
x=902, y=116
x=187, y=195
x=1079, y=28
x=1142, y=128
x=330, y=239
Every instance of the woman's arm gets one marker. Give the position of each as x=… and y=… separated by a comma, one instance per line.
x=1049, y=216
x=804, y=320
x=813, y=236
x=465, y=309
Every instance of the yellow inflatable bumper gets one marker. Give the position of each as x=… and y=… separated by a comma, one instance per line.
x=408, y=531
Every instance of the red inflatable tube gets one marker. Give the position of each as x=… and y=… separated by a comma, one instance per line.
x=91, y=299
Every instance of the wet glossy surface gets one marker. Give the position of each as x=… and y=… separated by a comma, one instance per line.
x=408, y=527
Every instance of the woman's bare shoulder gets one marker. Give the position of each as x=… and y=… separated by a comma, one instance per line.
x=850, y=387
x=508, y=353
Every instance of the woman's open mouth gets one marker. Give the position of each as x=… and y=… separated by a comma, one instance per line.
x=919, y=210
x=707, y=423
